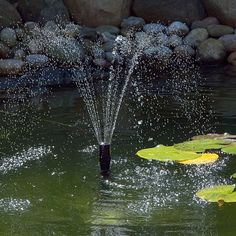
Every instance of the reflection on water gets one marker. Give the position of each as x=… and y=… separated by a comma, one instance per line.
x=50, y=183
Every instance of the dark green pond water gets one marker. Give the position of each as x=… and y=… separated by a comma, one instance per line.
x=50, y=183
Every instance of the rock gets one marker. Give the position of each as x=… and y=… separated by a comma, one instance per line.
x=229, y=41
x=43, y=10
x=88, y=33
x=133, y=22
x=159, y=10
x=211, y=51
x=72, y=30
x=153, y=28
x=51, y=26
x=108, y=46
x=37, y=59
x=20, y=34
x=232, y=58
x=98, y=12
x=108, y=28
x=159, y=52
x=184, y=51
x=11, y=67
x=205, y=22
x=101, y=62
x=35, y=46
x=30, y=25
x=110, y=57
x=219, y=30
x=107, y=37
x=175, y=41
x=178, y=28
x=195, y=37
x=19, y=54
x=8, y=36
x=67, y=51
x=161, y=39
x=224, y=10
x=4, y=51
x=9, y=16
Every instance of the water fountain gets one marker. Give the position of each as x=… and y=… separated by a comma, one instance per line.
x=126, y=53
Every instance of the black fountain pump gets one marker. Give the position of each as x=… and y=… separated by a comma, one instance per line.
x=104, y=159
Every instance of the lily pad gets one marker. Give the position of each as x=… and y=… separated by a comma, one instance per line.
x=201, y=145
x=230, y=149
x=166, y=153
x=218, y=193
x=233, y=176
x=205, y=158
x=225, y=136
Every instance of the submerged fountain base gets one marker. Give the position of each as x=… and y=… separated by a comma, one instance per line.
x=104, y=159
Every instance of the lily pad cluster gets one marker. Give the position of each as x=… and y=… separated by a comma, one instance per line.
x=193, y=152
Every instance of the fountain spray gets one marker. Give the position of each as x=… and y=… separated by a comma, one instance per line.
x=104, y=159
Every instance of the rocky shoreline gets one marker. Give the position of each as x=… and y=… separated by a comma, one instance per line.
x=31, y=46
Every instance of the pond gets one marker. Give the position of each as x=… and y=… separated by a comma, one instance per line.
x=50, y=182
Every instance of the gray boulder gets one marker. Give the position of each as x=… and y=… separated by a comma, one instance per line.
x=178, y=28
x=160, y=53
x=11, y=67
x=4, y=51
x=169, y=10
x=195, y=37
x=51, y=26
x=224, y=10
x=19, y=54
x=133, y=22
x=107, y=37
x=219, y=30
x=98, y=12
x=35, y=46
x=8, y=36
x=72, y=30
x=205, y=22
x=211, y=51
x=229, y=41
x=20, y=34
x=9, y=16
x=43, y=10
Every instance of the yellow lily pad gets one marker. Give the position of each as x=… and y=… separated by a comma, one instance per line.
x=218, y=193
x=201, y=145
x=205, y=158
x=166, y=153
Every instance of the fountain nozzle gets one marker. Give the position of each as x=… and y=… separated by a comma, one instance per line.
x=104, y=159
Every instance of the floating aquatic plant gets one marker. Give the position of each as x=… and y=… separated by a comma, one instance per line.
x=166, y=153
x=233, y=176
x=201, y=145
x=230, y=149
x=205, y=158
x=220, y=194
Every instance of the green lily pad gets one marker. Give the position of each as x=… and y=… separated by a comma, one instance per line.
x=233, y=176
x=218, y=193
x=166, y=153
x=201, y=145
x=230, y=149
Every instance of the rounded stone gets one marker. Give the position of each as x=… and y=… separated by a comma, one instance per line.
x=20, y=34
x=4, y=51
x=205, y=22
x=219, y=30
x=19, y=54
x=8, y=36
x=158, y=52
x=133, y=22
x=11, y=67
x=232, y=58
x=153, y=28
x=175, y=41
x=35, y=46
x=72, y=30
x=51, y=26
x=184, y=51
x=229, y=41
x=37, y=59
x=196, y=36
x=108, y=28
x=178, y=28
x=211, y=51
